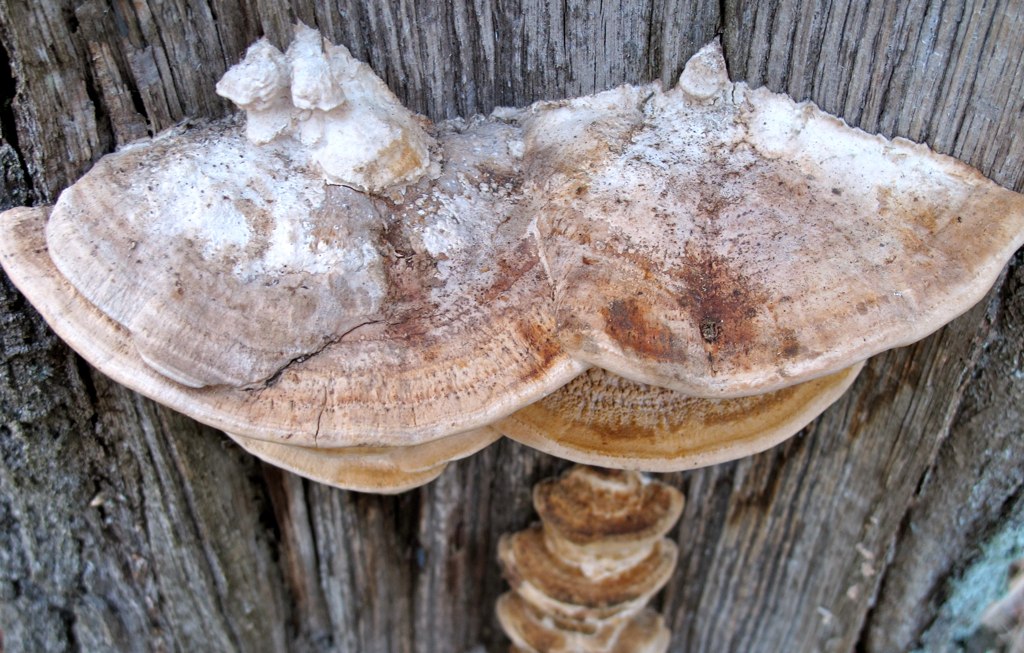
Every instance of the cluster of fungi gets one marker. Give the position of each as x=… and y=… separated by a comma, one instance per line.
x=641, y=279
x=582, y=577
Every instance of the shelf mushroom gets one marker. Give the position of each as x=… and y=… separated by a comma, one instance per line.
x=341, y=277
x=381, y=470
x=724, y=241
x=599, y=418
x=107, y=344
x=287, y=305
x=581, y=579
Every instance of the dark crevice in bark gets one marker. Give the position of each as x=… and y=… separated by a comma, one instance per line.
x=101, y=113
x=653, y=51
x=136, y=97
x=125, y=73
x=867, y=623
x=275, y=513
x=68, y=620
x=9, y=134
x=85, y=374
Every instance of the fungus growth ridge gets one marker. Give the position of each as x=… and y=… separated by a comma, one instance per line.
x=338, y=273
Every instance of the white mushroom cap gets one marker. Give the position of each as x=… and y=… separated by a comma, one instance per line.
x=723, y=241
x=226, y=261
x=392, y=390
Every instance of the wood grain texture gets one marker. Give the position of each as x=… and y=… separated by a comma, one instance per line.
x=124, y=524
x=126, y=527
x=972, y=490
x=803, y=518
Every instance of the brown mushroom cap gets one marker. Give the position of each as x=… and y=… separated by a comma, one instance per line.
x=589, y=511
x=535, y=632
x=557, y=586
x=382, y=470
x=581, y=577
x=462, y=336
x=723, y=241
x=603, y=419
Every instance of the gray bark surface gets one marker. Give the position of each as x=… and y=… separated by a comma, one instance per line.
x=885, y=526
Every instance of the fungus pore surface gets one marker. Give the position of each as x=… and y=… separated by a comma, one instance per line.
x=600, y=418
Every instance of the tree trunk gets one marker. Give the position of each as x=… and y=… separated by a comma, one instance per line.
x=886, y=525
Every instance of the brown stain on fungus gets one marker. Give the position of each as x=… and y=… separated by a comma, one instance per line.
x=545, y=348
x=927, y=216
x=628, y=322
x=511, y=269
x=722, y=303
x=789, y=343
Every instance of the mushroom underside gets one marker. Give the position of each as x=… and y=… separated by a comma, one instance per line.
x=381, y=470
x=602, y=419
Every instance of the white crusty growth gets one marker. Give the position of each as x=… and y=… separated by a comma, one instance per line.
x=347, y=120
x=259, y=85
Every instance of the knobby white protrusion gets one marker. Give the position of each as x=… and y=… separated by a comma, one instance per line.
x=259, y=85
x=705, y=76
x=334, y=107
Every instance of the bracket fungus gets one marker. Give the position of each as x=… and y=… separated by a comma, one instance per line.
x=284, y=307
x=602, y=419
x=582, y=577
x=382, y=470
x=107, y=344
x=724, y=241
x=340, y=274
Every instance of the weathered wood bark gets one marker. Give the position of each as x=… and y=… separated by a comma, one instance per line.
x=124, y=526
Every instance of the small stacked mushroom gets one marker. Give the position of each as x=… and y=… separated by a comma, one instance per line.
x=359, y=295
x=581, y=579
